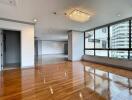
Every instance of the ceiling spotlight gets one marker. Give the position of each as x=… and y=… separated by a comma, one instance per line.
x=118, y=15
x=35, y=20
x=78, y=15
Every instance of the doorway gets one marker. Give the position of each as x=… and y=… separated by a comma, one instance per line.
x=11, y=49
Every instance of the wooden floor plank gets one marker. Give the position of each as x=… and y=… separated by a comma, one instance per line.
x=66, y=81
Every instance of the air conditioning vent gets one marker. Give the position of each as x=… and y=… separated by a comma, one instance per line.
x=8, y=2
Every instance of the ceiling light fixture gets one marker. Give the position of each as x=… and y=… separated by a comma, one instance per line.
x=78, y=15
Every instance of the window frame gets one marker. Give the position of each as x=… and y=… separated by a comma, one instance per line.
x=109, y=49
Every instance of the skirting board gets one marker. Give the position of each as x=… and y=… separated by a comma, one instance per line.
x=123, y=64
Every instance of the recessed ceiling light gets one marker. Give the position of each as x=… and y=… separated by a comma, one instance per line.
x=118, y=15
x=35, y=20
x=78, y=15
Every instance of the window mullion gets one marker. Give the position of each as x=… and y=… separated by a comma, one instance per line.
x=94, y=42
x=129, y=39
x=108, y=41
x=84, y=43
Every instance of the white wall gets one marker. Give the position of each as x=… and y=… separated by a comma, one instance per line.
x=53, y=47
x=127, y=64
x=70, y=45
x=27, y=41
x=75, y=45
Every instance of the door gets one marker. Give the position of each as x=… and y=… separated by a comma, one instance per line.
x=11, y=49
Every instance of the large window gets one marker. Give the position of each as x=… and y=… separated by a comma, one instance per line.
x=113, y=40
x=119, y=35
x=89, y=39
x=101, y=38
x=89, y=52
x=101, y=53
x=119, y=54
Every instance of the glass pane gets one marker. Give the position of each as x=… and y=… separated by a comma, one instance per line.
x=89, y=52
x=103, y=53
x=130, y=54
x=101, y=38
x=119, y=35
x=89, y=39
x=119, y=54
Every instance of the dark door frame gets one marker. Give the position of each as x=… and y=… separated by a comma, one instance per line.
x=4, y=47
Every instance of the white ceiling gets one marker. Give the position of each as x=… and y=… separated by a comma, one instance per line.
x=54, y=27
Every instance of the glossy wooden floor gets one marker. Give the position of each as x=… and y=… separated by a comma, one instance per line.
x=66, y=81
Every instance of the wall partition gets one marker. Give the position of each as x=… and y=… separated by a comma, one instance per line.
x=111, y=40
x=27, y=39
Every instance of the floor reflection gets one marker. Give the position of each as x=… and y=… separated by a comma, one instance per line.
x=51, y=59
x=108, y=85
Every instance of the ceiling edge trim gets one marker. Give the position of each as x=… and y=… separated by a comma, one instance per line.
x=17, y=21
